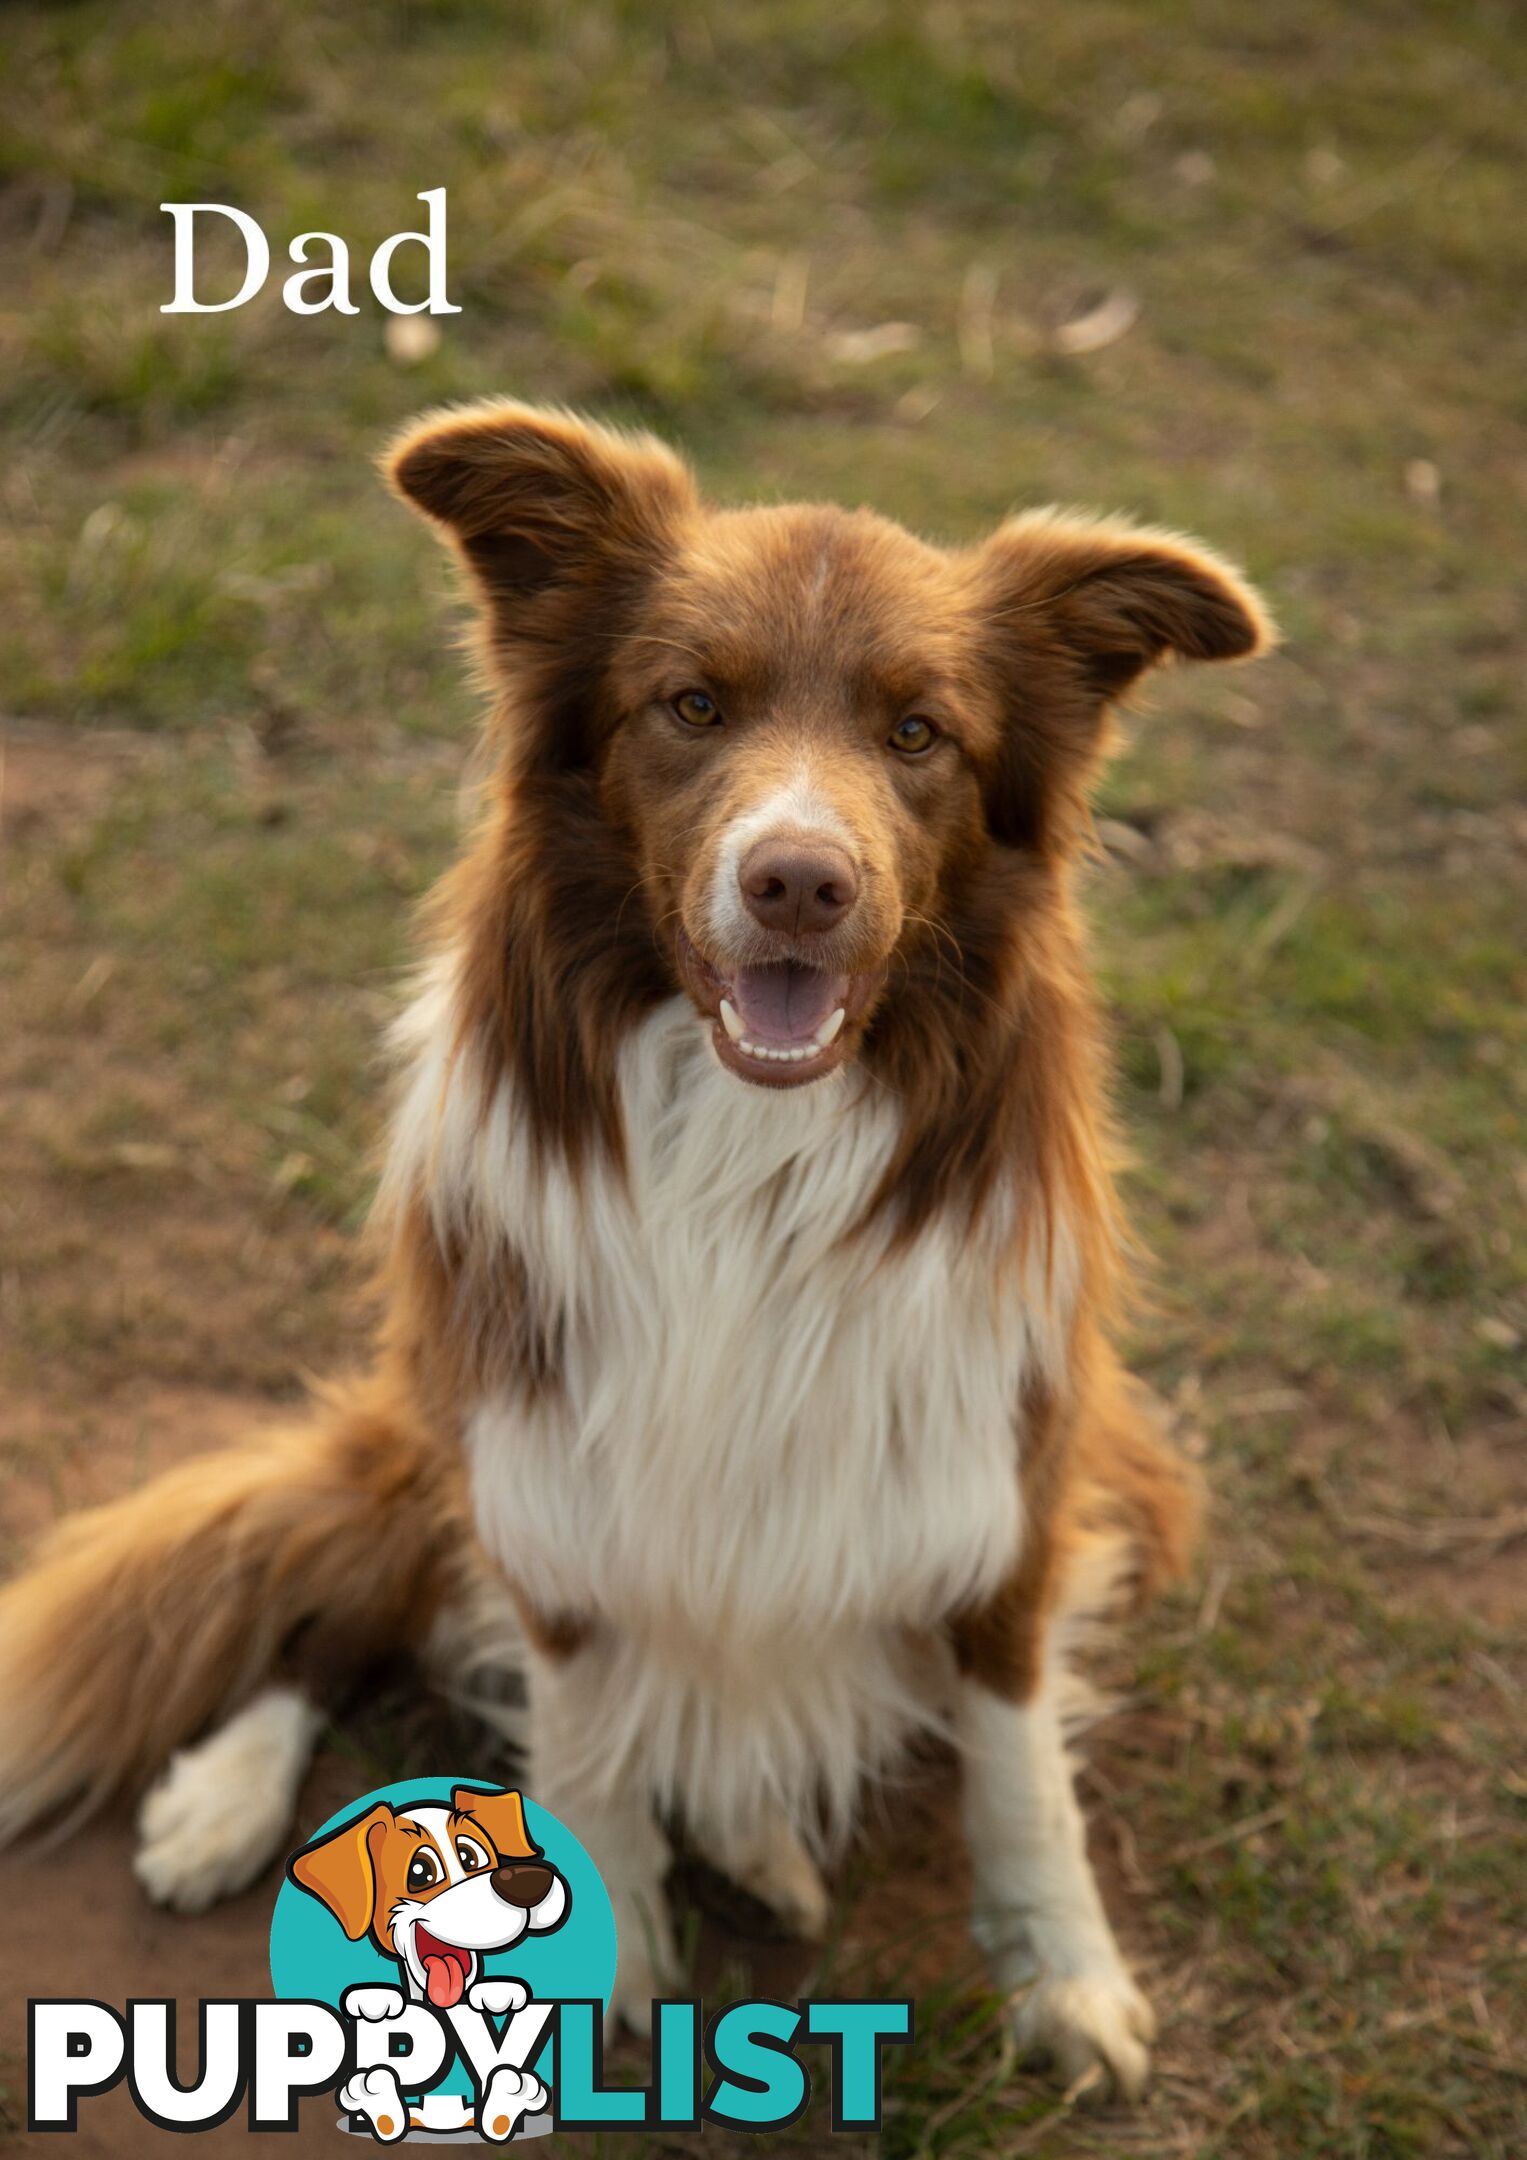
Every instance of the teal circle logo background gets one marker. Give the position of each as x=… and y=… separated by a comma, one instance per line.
x=312, y=1959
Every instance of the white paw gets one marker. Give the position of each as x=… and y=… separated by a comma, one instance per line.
x=636, y=1989
x=510, y=2097
x=776, y=1868
x=377, y=2095
x=647, y=1965
x=498, y=1998
x=1095, y=2027
x=638, y=1986
x=372, y=2003
x=222, y=1810
x=206, y=1833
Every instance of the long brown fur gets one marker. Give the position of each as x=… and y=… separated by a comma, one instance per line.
x=594, y=563
x=327, y=1548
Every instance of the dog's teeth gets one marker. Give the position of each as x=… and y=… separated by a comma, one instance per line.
x=730, y=1021
x=827, y=1032
x=765, y=1053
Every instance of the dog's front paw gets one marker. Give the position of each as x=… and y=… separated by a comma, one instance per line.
x=1096, y=2027
x=372, y=2004
x=205, y=1833
x=377, y=2095
x=647, y=1963
x=498, y=1998
x=510, y=2097
x=772, y=1864
x=640, y=1980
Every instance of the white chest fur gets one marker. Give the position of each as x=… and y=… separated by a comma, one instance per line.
x=777, y=1445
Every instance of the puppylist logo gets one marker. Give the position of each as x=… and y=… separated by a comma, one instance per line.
x=439, y=1885
x=442, y=1957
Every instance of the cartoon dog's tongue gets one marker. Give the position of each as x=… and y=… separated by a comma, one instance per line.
x=445, y=1969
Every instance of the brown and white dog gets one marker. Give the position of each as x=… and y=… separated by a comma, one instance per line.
x=748, y=1237
x=438, y=1889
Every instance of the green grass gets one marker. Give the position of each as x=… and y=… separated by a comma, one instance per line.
x=234, y=652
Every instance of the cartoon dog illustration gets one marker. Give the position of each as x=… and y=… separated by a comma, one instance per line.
x=437, y=1888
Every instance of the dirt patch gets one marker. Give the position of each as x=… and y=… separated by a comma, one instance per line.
x=62, y=1452
x=55, y=779
x=78, y=1925
x=1438, y=1517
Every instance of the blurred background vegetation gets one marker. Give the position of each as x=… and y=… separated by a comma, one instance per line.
x=1252, y=270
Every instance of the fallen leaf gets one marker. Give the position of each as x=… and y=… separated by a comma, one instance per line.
x=1423, y=482
x=1101, y=321
x=858, y=347
x=411, y=338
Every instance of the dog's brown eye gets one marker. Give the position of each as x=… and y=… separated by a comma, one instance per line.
x=695, y=709
x=914, y=735
x=470, y=1854
x=423, y=1872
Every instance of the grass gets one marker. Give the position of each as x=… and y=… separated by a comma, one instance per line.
x=239, y=729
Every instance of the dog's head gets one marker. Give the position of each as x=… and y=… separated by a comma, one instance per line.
x=815, y=732
x=436, y=1887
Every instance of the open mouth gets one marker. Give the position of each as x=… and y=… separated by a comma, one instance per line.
x=447, y=1968
x=784, y=1014
x=781, y=1022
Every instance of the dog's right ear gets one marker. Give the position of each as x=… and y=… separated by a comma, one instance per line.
x=538, y=502
x=340, y=1870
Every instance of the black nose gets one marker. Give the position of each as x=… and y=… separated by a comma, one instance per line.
x=795, y=886
x=523, y=1883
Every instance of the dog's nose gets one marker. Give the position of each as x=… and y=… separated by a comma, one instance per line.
x=795, y=886
x=523, y=1883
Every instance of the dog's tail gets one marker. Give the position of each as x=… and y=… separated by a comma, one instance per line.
x=139, y=1622
x=1133, y=1508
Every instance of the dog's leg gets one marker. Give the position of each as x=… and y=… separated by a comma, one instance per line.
x=621, y=1836
x=475, y=1656
x=1038, y=1914
x=771, y=1863
x=223, y=1809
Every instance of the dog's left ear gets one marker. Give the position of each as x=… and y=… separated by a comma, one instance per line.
x=502, y=1815
x=340, y=1870
x=1073, y=611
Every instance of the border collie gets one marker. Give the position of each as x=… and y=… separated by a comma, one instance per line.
x=748, y=1238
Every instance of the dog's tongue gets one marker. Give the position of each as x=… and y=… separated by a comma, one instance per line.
x=444, y=1980
x=785, y=1003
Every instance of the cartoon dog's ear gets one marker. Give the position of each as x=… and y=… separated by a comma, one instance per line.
x=502, y=1815
x=340, y=1870
x=1074, y=609
x=537, y=500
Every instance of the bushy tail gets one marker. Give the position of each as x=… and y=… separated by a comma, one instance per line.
x=1133, y=1510
x=139, y=1622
